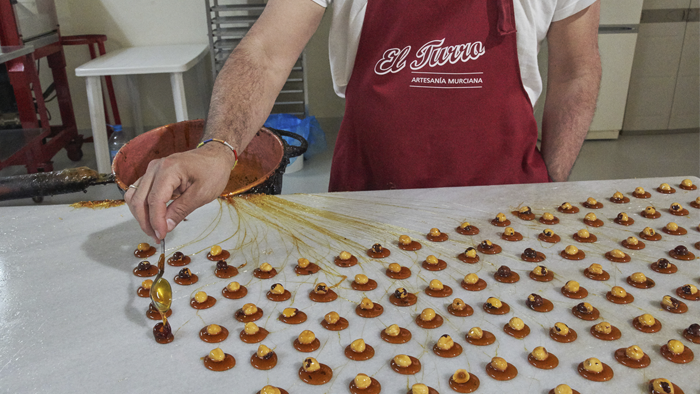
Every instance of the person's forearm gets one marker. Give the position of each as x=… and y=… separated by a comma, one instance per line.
x=568, y=112
x=243, y=96
x=573, y=79
x=256, y=71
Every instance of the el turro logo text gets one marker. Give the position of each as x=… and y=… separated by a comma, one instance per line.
x=431, y=54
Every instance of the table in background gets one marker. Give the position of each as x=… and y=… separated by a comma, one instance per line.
x=170, y=59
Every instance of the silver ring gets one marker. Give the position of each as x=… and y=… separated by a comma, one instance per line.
x=133, y=187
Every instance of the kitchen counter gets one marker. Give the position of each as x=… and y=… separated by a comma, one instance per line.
x=70, y=319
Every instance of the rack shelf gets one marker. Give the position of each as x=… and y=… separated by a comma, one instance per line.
x=228, y=22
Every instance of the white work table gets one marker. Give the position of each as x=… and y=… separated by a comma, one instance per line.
x=70, y=319
x=157, y=59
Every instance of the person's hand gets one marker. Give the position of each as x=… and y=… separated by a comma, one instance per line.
x=197, y=176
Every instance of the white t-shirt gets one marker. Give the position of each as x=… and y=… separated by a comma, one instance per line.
x=532, y=20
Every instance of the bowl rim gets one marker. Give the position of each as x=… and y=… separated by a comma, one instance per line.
x=123, y=186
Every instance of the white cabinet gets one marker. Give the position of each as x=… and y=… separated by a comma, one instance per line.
x=685, y=112
x=616, y=56
x=665, y=84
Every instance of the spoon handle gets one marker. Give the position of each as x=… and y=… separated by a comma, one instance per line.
x=161, y=260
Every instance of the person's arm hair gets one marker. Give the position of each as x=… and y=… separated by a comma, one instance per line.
x=244, y=93
x=573, y=81
x=256, y=71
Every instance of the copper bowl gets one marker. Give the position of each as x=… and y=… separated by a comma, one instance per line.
x=259, y=170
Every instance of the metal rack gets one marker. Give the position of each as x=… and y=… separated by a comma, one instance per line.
x=228, y=22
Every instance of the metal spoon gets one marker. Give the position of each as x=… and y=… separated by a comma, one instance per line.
x=161, y=293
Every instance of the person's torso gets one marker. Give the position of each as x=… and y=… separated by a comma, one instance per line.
x=533, y=18
x=436, y=100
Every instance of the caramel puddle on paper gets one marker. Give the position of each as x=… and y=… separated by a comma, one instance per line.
x=99, y=204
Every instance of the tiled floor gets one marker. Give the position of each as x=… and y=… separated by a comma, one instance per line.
x=630, y=156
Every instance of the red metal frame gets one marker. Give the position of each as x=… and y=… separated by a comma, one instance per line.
x=36, y=155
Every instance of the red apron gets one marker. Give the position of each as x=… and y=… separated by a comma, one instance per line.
x=435, y=99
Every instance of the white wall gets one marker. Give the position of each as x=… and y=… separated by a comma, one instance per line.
x=158, y=22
